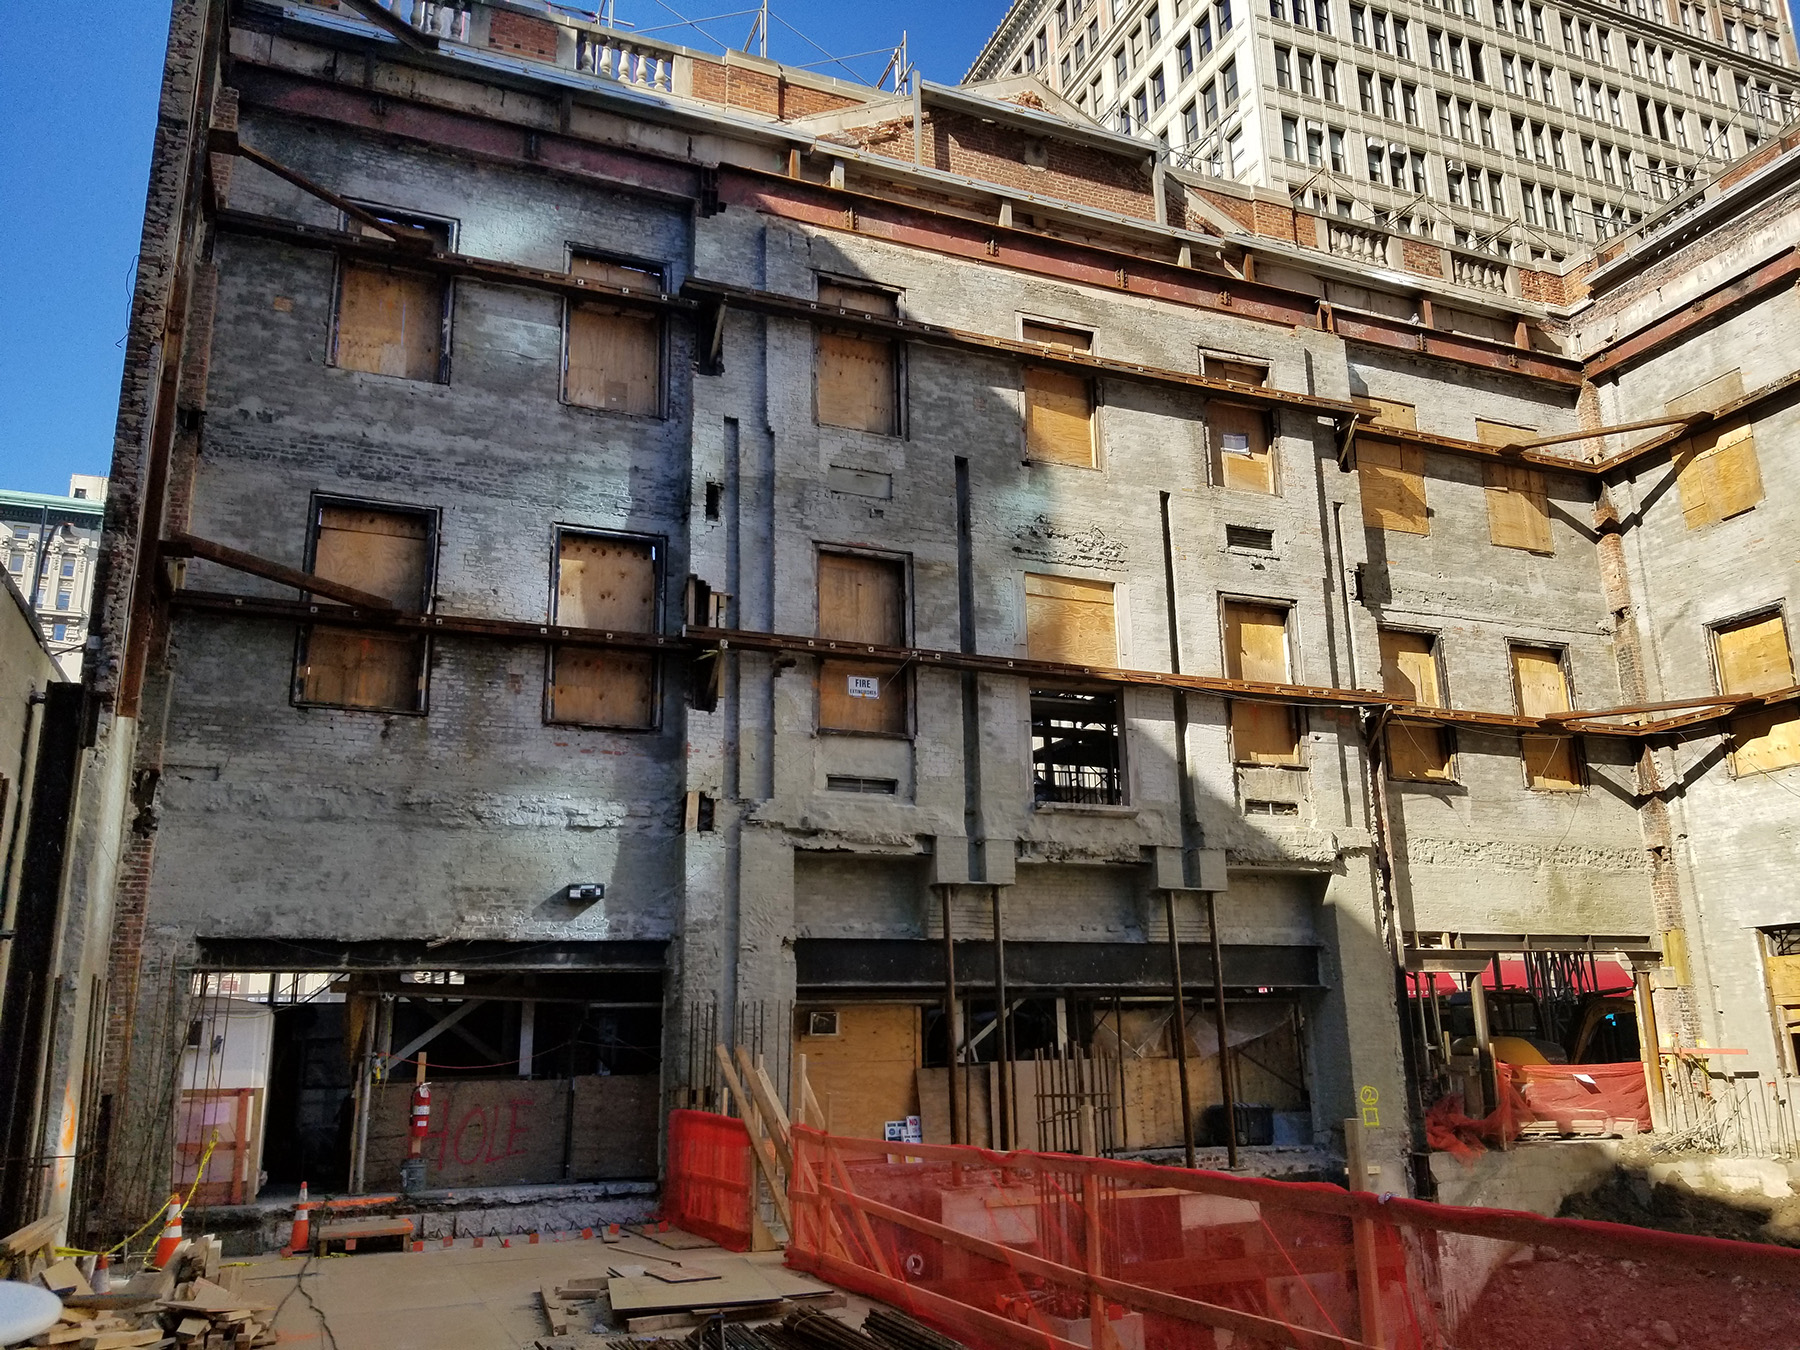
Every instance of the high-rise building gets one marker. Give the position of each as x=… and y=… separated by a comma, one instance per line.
x=49, y=546
x=1508, y=126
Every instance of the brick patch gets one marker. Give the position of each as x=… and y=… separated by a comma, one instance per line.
x=509, y=32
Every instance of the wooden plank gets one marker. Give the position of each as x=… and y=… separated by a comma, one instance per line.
x=1387, y=412
x=1502, y=433
x=1070, y=619
x=1059, y=417
x=1416, y=751
x=180, y=545
x=608, y=583
x=856, y=382
x=1551, y=762
x=862, y=600
x=734, y=1284
x=774, y=1119
x=760, y=1147
x=1256, y=649
x=617, y=1117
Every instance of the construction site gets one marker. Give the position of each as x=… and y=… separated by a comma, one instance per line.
x=734, y=707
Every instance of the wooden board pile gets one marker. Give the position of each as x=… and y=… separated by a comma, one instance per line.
x=191, y=1304
x=648, y=1293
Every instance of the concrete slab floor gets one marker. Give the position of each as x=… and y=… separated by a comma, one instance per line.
x=458, y=1298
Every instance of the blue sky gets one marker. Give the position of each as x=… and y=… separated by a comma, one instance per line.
x=77, y=114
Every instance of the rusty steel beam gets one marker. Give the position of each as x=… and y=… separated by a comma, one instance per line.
x=392, y=24
x=448, y=264
x=192, y=546
x=1039, y=353
x=1715, y=304
x=224, y=141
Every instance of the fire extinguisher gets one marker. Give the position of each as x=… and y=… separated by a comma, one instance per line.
x=421, y=1115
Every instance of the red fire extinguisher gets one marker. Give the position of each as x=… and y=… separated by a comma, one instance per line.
x=421, y=1115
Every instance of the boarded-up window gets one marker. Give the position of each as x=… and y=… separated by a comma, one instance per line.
x=1237, y=370
x=1387, y=412
x=386, y=553
x=1256, y=648
x=390, y=321
x=1409, y=670
x=1518, y=508
x=1392, y=476
x=1754, y=658
x=1717, y=473
x=1059, y=404
x=1070, y=620
x=1552, y=762
x=1502, y=433
x=607, y=583
x=857, y=374
x=1781, y=961
x=862, y=600
x=1242, y=457
x=614, y=357
x=1709, y=397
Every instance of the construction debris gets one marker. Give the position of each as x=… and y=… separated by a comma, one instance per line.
x=191, y=1304
x=807, y=1329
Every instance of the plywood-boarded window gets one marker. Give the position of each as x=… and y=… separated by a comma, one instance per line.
x=1388, y=412
x=1518, y=508
x=1418, y=751
x=1781, y=962
x=386, y=553
x=609, y=583
x=1070, y=620
x=613, y=356
x=1541, y=684
x=1392, y=477
x=1059, y=404
x=1754, y=658
x=1241, y=453
x=865, y=1073
x=1234, y=369
x=857, y=375
x=1717, y=473
x=1502, y=433
x=1256, y=649
x=1709, y=397
x=862, y=599
x=390, y=320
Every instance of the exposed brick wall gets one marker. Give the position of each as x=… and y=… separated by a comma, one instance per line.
x=130, y=908
x=509, y=32
x=1277, y=222
x=736, y=87
x=959, y=144
x=797, y=100
x=1240, y=210
x=1425, y=259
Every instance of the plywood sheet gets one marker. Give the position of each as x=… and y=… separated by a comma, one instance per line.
x=1070, y=619
x=606, y=582
x=1718, y=474
x=1518, y=508
x=390, y=322
x=859, y=299
x=1242, y=457
x=865, y=696
x=1502, y=433
x=1765, y=740
x=737, y=1284
x=617, y=1117
x=614, y=359
x=866, y=1075
x=1392, y=478
x=594, y=687
x=1388, y=412
x=862, y=599
x=383, y=552
x=348, y=669
x=857, y=382
x=1059, y=417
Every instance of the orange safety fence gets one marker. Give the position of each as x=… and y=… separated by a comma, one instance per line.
x=707, y=1184
x=1564, y=1099
x=1029, y=1251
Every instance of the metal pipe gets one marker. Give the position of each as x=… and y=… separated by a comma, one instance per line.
x=1225, y=1083
x=1180, y=1030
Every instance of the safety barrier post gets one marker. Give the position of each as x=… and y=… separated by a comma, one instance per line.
x=1368, y=1270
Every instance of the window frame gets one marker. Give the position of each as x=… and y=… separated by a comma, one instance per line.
x=1095, y=388
x=342, y=261
x=898, y=373
x=660, y=545
x=1714, y=628
x=433, y=517
x=664, y=365
x=1121, y=767
x=822, y=549
x=1290, y=637
x=1581, y=779
x=1445, y=730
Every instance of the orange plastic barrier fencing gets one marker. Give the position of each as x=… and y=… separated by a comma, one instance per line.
x=1027, y=1251
x=706, y=1188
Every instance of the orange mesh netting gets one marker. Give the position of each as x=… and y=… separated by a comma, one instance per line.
x=1050, y=1251
x=1575, y=1098
x=706, y=1190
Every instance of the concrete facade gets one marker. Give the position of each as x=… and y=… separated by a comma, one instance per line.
x=755, y=866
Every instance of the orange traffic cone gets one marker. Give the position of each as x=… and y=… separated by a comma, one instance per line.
x=102, y=1281
x=171, y=1235
x=302, y=1235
